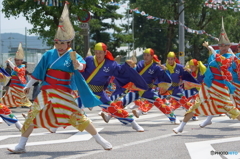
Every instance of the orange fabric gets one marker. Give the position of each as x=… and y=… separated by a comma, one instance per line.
x=109, y=56
x=21, y=74
x=115, y=110
x=155, y=59
x=193, y=62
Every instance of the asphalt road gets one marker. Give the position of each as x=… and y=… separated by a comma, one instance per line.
x=158, y=140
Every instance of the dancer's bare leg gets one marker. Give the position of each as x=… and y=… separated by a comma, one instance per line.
x=188, y=116
x=28, y=131
x=91, y=129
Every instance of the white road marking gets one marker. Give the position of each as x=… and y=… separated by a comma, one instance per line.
x=151, y=116
x=79, y=136
x=35, y=134
x=235, y=125
x=119, y=147
x=202, y=149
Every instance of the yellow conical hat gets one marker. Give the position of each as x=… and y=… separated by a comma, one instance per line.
x=223, y=38
x=65, y=31
x=20, y=52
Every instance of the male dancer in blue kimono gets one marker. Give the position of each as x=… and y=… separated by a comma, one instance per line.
x=150, y=71
x=178, y=76
x=99, y=69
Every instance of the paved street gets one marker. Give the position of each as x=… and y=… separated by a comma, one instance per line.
x=158, y=140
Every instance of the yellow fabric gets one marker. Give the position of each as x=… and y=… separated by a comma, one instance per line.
x=145, y=68
x=77, y=121
x=140, y=93
x=95, y=88
x=148, y=51
x=202, y=68
x=170, y=68
x=99, y=47
x=171, y=54
x=191, y=62
x=142, y=72
x=35, y=109
x=98, y=66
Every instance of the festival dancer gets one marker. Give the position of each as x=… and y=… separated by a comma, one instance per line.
x=235, y=82
x=15, y=96
x=179, y=77
x=214, y=95
x=150, y=71
x=5, y=113
x=197, y=70
x=99, y=69
x=55, y=106
x=236, y=78
x=176, y=91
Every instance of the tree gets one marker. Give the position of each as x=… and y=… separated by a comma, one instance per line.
x=197, y=17
x=45, y=18
x=110, y=33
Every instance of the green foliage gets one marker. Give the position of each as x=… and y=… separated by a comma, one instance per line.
x=110, y=33
x=45, y=21
x=197, y=17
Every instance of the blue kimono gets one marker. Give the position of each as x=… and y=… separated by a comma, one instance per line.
x=97, y=76
x=209, y=74
x=234, y=71
x=150, y=74
x=52, y=67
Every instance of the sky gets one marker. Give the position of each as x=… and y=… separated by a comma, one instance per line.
x=13, y=25
x=18, y=25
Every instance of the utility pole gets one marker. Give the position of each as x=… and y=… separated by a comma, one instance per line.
x=26, y=43
x=128, y=9
x=133, y=30
x=181, y=36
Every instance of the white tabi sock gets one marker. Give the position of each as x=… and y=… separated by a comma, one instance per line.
x=206, y=122
x=22, y=143
x=18, y=125
x=136, y=127
x=104, y=143
x=180, y=128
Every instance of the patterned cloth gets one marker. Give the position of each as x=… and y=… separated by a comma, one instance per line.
x=214, y=100
x=55, y=108
x=55, y=105
x=7, y=116
x=15, y=96
x=236, y=95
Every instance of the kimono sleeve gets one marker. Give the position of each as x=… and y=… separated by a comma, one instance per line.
x=41, y=68
x=163, y=79
x=80, y=59
x=125, y=74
